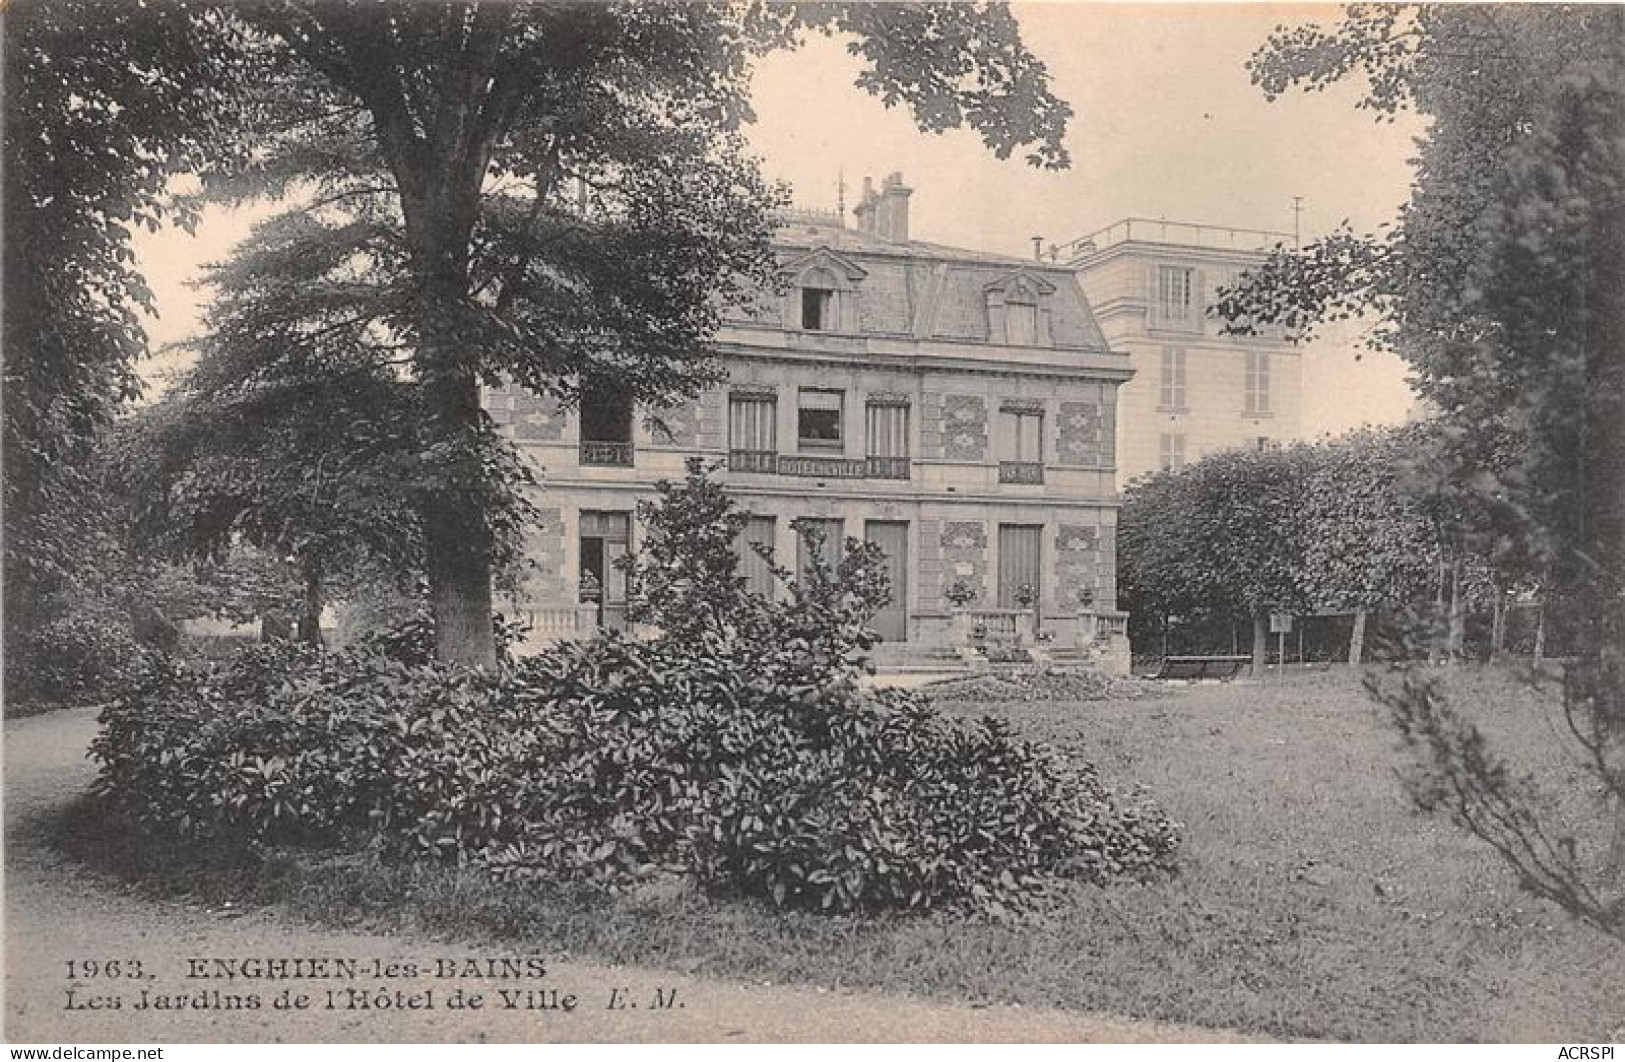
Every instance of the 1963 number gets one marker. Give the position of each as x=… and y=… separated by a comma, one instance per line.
x=105, y=969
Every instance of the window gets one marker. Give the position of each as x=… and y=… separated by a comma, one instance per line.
x=817, y=309
x=1258, y=381
x=606, y=426
x=818, y=420
x=1173, y=452
x=752, y=432
x=1023, y=435
x=1173, y=379
x=1021, y=324
x=888, y=441
x=1175, y=288
x=818, y=538
x=756, y=570
x=1021, y=446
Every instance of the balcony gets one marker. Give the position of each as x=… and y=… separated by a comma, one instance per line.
x=815, y=467
x=1021, y=472
x=753, y=461
x=614, y=454
x=886, y=467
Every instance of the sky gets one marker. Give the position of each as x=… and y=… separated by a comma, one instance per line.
x=1167, y=125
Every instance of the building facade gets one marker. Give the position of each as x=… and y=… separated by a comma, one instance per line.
x=1195, y=390
x=956, y=408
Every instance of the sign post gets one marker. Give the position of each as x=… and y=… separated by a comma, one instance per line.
x=1280, y=625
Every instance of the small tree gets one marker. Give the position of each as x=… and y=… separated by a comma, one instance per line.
x=298, y=449
x=686, y=582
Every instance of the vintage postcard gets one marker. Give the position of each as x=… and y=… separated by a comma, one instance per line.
x=795, y=523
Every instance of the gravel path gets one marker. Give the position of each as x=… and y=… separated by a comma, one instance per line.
x=57, y=914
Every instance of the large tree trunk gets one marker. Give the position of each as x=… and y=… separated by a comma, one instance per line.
x=1357, y=639
x=1261, y=644
x=459, y=566
x=457, y=535
x=457, y=531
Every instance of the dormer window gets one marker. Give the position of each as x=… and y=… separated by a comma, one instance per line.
x=824, y=293
x=1018, y=309
x=817, y=309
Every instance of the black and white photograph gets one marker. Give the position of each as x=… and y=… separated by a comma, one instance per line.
x=676, y=522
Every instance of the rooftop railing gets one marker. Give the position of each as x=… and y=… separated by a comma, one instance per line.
x=1183, y=233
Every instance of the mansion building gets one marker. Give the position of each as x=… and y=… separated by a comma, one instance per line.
x=956, y=408
x=1195, y=390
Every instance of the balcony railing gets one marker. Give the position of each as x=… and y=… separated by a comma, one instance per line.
x=815, y=467
x=618, y=454
x=887, y=467
x=753, y=460
x=1158, y=230
x=1021, y=472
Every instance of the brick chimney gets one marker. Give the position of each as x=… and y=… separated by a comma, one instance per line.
x=864, y=212
x=891, y=209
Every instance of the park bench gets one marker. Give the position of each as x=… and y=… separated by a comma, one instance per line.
x=1201, y=667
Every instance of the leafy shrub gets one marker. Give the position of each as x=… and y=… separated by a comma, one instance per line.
x=746, y=753
x=686, y=581
x=87, y=654
x=612, y=760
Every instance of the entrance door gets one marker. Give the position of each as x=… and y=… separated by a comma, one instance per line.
x=1019, y=546
x=891, y=622
x=605, y=537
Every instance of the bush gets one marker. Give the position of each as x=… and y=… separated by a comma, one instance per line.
x=85, y=655
x=612, y=760
x=741, y=749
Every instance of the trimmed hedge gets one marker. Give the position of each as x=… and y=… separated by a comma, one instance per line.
x=609, y=761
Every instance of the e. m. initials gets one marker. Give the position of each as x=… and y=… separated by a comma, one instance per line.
x=662, y=999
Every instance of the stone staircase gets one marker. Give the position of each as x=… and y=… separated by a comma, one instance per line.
x=905, y=658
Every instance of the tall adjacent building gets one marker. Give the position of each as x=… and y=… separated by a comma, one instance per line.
x=957, y=408
x=1194, y=390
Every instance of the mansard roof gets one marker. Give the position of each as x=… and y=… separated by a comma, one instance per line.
x=933, y=291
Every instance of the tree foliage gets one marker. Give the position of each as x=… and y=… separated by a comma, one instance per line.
x=103, y=103
x=555, y=195
x=1226, y=532
x=1339, y=525
x=1371, y=537
x=1504, y=285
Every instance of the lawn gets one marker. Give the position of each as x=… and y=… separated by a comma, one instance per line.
x=1313, y=900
